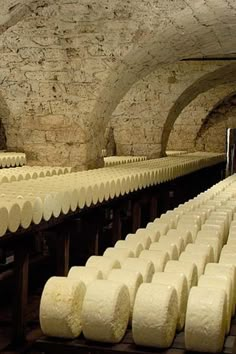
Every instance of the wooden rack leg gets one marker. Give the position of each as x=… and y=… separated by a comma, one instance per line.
x=63, y=252
x=136, y=215
x=21, y=267
x=153, y=208
x=116, y=225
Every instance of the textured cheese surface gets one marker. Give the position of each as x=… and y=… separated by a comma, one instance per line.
x=118, y=253
x=166, y=247
x=152, y=234
x=201, y=249
x=173, y=241
x=193, y=229
x=211, y=234
x=175, y=236
x=133, y=239
x=212, y=242
x=188, y=268
x=179, y=282
x=86, y=275
x=60, y=307
x=199, y=260
x=143, y=266
x=155, y=315
x=220, y=282
x=136, y=248
x=205, y=324
x=160, y=226
x=131, y=279
x=228, y=270
x=104, y=264
x=158, y=258
x=105, y=312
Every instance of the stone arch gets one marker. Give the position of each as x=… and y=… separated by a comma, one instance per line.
x=221, y=117
x=189, y=122
x=201, y=29
x=221, y=76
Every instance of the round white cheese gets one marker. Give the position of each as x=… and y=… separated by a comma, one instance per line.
x=145, y=240
x=220, y=282
x=199, y=260
x=167, y=247
x=104, y=264
x=86, y=275
x=152, y=234
x=131, y=279
x=118, y=253
x=179, y=282
x=105, y=312
x=158, y=258
x=155, y=315
x=136, y=248
x=143, y=266
x=206, y=250
x=189, y=269
x=228, y=270
x=212, y=242
x=60, y=307
x=205, y=320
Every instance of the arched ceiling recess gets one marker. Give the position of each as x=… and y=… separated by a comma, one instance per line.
x=224, y=75
x=194, y=115
x=225, y=104
x=204, y=28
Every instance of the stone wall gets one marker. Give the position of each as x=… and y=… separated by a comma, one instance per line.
x=65, y=66
x=212, y=134
x=193, y=117
x=138, y=120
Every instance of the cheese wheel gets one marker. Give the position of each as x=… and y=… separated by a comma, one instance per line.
x=201, y=249
x=160, y=226
x=189, y=269
x=26, y=212
x=154, y=236
x=136, y=248
x=229, y=249
x=214, y=234
x=184, y=227
x=105, y=312
x=158, y=258
x=200, y=260
x=118, y=253
x=155, y=315
x=228, y=270
x=205, y=320
x=175, y=236
x=132, y=280
x=179, y=282
x=179, y=243
x=167, y=247
x=3, y=220
x=14, y=215
x=145, y=240
x=60, y=307
x=220, y=282
x=104, y=264
x=212, y=242
x=84, y=274
x=143, y=266
x=152, y=228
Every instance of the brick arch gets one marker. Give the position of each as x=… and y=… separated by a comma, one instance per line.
x=224, y=75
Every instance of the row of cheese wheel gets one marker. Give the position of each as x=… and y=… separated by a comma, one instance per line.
x=29, y=201
x=158, y=309
x=12, y=159
x=118, y=160
x=30, y=172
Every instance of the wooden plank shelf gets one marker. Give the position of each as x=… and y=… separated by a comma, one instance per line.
x=126, y=346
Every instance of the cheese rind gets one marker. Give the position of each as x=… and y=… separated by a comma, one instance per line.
x=158, y=258
x=131, y=279
x=205, y=324
x=104, y=264
x=188, y=268
x=60, y=307
x=179, y=282
x=105, y=312
x=85, y=274
x=155, y=315
x=143, y=266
